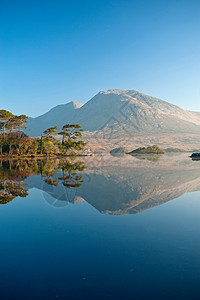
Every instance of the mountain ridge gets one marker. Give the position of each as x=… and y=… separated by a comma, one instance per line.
x=116, y=108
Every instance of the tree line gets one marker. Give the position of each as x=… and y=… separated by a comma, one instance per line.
x=13, y=140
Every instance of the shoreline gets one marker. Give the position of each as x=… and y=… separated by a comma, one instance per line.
x=41, y=156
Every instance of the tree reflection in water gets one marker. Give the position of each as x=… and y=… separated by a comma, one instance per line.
x=14, y=172
x=71, y=177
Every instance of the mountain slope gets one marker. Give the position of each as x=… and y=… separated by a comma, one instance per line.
x=59, y=115
x=125, y=111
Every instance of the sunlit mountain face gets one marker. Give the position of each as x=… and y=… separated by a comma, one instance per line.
x=125, y=111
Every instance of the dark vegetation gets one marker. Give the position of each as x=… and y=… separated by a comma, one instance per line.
x=155, y=149
x=195, y=156
x=14, y=142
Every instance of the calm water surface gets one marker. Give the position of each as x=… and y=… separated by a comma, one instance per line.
x=103, y=228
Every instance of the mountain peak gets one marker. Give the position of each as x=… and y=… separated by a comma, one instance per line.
x=126, y=111
x=126, y=92
x=76, y=104
x=114, y=91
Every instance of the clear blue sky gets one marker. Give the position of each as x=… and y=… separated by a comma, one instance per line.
x=52, y=52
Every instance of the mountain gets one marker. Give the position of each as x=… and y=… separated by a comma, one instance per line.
x=59, y=115
x=125, y=111
x=196, y=113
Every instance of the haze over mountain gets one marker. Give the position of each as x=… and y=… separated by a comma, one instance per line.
x=126, y=111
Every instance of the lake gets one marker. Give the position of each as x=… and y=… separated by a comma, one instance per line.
x=100, y=227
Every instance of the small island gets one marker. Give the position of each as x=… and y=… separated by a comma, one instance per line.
x=15, y=143
x=195, y=156
x=121, y=151
x=155, y=149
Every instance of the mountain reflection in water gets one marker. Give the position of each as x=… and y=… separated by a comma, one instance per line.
x=114, y=185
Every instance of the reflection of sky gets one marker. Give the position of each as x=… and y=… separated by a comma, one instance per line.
x=77, y=253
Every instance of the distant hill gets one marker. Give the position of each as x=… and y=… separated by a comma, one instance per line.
x=124, y=111
x=59, y=115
